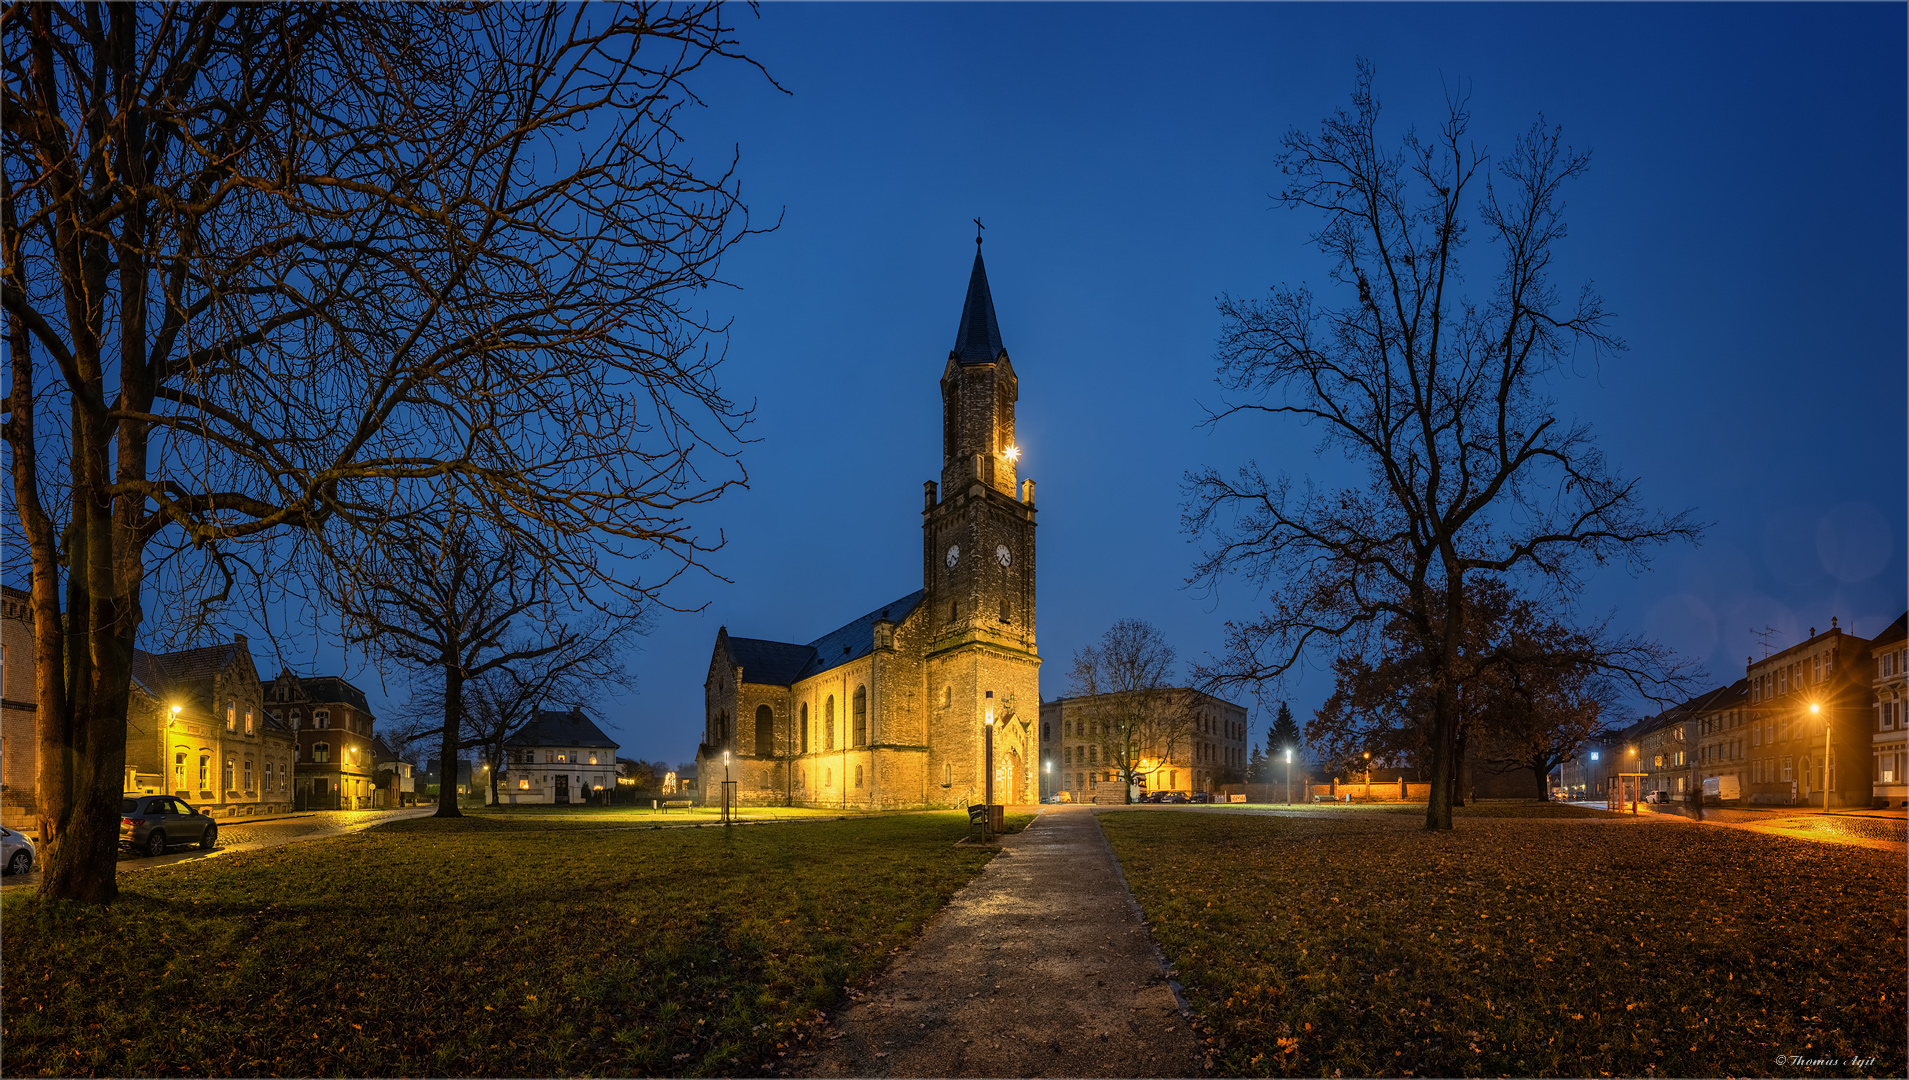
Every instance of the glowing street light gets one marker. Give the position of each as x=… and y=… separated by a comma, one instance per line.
x=987, y=723
x=1815, y=710
x=1012, y=453
x=1289, y=776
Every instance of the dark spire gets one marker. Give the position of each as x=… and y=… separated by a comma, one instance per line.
x=978, y=338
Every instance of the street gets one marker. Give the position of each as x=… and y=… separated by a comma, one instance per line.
x=249, y=835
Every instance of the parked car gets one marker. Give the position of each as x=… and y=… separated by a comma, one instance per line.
x=1175, y=797
x=1200, y=797
x=153, y=823
x=1658, y=796
x=16, y=853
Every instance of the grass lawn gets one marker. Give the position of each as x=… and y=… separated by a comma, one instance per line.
x=575, y=816
x=1358, y=944
x=492, y=945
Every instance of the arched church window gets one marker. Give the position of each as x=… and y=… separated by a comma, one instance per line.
x=858, y=776
x=828, y=723
x=765, y=731
x=802, y=724
x=861, y=718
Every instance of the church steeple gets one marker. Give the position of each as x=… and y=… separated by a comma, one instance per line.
x=978, y=338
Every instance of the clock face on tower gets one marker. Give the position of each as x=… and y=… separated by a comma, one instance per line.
x=1002, y=555
x=954, y=556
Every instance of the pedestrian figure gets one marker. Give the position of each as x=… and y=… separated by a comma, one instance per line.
x=1696, y=799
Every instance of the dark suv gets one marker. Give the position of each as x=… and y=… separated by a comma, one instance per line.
x=152, y=823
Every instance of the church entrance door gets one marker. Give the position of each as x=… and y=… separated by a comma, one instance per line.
x=563, y=789
x=1017, y=780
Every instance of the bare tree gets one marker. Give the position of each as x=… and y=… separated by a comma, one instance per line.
x=268, y=266
x=1436, y=395
x=1134, y=711
x=482, y=623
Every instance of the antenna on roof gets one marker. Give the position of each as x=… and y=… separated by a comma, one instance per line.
x=1763, y=635
x=977, y=231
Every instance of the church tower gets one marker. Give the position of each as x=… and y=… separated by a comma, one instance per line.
x=978, y=571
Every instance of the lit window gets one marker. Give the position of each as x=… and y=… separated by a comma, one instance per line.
x=231, y=716
x=248, y=773
x=248, y=721
x=524, y=784
x=321, y=751
x=179, y=772
x=205, y=771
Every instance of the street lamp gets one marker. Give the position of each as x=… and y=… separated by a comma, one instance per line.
x=1289, y=776
x=987, y=723
x=1816, y=709
x=725, y=787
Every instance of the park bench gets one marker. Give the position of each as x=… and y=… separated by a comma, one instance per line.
x=677, y=804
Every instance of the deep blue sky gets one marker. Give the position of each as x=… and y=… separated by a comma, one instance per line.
x=1744, y=217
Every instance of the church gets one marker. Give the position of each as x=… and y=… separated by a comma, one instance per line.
x=908, y=705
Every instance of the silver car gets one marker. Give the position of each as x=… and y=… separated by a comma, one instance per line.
x=16, y=853
x=153, y=823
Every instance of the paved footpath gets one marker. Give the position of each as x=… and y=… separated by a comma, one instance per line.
x=1040, y=966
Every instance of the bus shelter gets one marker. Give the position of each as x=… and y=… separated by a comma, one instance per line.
x=1628, y=789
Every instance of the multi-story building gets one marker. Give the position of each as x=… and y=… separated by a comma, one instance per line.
x=1187, y=740
x=1586, y=774
x=1723, y=734
x=559, y=757
x=1890, y=739
x=19, y=736
x=196, y=727
x=335, y=763
x=1810, y=722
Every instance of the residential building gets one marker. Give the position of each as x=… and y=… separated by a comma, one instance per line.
x=196, y=727
x=19, y=735
x=1586, y=774
x=900, y=706
x=1810, y=722
x=1194, y=741
x=395, y=779
x=1723, y=735
x=559, y=757
x=336, y=762
x=1889, y=785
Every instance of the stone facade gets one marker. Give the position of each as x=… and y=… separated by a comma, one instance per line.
x=906, y=705
x=1208, y=751
x=336, y=761
x=196, y=727
x=1816, y=689
x=19, y=736
x=1889, y=738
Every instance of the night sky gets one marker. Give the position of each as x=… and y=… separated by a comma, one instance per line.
x=1744, y=219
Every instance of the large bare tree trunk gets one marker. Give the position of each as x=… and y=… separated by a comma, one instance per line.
x=447, y=755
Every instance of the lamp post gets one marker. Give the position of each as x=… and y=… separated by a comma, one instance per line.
x=725, y=787
x=987, y=796
x=1289, y=776
x=1816, y=709
x=1634, y=790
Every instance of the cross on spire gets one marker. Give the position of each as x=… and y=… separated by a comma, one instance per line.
x=977, y=231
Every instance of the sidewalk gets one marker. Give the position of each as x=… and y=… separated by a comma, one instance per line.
x=1040, y=966
x=1881, y=830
